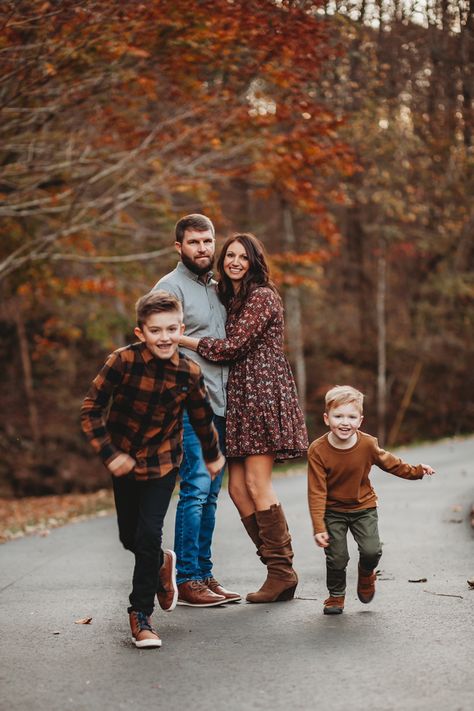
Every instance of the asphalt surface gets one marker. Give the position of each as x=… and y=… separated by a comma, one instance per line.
x=411, y=648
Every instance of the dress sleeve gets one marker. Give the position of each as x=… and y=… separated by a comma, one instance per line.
x=317, y=491
x=250, y=324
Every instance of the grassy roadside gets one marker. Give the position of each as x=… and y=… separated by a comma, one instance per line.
x=38, y=515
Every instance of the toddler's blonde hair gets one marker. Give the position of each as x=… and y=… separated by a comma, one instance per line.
x=342, y=395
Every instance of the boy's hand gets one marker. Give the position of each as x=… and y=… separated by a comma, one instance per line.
x=121, y=465
x=427, y=469
x=322, y=539
x=214, y=467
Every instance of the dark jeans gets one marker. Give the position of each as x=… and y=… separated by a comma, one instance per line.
x=364, y=527
x=141, y=509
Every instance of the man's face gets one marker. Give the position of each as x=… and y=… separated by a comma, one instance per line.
x=161, y=333
x=197, y=251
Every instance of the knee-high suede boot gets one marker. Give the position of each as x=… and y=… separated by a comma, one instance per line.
x=277, y=552
x=251, y=526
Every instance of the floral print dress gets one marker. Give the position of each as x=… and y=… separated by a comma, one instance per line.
x=263, y=413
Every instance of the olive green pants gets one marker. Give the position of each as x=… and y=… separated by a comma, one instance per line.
x=364, y=527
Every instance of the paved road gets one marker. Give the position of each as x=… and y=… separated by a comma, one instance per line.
x=411, y=648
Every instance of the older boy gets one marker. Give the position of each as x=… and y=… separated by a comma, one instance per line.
x=132, y=416
x=341, y=497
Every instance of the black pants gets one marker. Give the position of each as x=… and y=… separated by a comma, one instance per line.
x=141, y=509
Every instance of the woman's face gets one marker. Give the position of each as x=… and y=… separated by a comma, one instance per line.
x=236, y=263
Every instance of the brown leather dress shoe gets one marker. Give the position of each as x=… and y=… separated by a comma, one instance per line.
x=196, y=594
x=217, y=588
x=168, y=595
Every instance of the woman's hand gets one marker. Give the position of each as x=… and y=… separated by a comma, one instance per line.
x=188, y=342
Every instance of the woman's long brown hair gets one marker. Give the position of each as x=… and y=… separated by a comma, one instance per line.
x=258, y=274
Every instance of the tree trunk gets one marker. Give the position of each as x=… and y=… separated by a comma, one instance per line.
x=381, y=344
x=28, y=376
x=294, y=321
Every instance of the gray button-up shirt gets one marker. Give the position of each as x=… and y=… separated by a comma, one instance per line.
x=204, y=315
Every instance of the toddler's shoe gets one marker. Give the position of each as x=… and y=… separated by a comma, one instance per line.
x=365, y=585
x=334, y=605
x=143, y=634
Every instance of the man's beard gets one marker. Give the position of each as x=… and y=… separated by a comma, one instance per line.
x=193, y=267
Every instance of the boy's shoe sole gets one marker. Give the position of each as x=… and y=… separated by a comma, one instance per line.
x=147, y=643
x=167, y=599
x=332, y=611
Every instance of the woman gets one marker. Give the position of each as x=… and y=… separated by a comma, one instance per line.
x=264, y=421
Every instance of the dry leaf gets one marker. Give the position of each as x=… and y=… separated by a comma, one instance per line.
x=84, y=621
x=419, y=580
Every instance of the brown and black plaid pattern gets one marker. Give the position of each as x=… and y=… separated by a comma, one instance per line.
x=135, y=405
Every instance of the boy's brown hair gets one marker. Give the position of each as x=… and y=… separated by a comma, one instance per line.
x=156, y=302
x=343, y=395
x=197, y=222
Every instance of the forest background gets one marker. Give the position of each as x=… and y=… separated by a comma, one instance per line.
x=340, y=133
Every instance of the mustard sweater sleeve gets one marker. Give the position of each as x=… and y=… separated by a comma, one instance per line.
x=394, y=465
x=317, y=490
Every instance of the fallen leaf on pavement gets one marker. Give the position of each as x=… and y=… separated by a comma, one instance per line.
x=84, y=621
x=419, y=580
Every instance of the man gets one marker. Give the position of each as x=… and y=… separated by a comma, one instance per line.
x=204, y=315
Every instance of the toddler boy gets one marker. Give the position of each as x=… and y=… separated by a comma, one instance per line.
x=132, y=416
x=341, y=497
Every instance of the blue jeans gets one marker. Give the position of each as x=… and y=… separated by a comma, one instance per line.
x=196, y=510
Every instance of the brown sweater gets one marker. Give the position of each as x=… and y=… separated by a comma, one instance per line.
x=338, y=479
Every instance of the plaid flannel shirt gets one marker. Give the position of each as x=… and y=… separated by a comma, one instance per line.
x=135, y=405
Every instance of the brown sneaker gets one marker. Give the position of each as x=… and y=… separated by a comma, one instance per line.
x=143, y=634
x=168, y=595
x=217, y=588
x=365, y=585
x=196, y=594
x=334, y=605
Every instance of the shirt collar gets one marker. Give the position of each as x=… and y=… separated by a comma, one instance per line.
x=191, y=275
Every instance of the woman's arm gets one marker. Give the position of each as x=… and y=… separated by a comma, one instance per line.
x=252, y=321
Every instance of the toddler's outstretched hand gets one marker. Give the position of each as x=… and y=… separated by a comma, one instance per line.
x=322, y=539
x=427, y=469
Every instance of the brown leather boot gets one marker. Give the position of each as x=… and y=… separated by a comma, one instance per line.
x=276, y=550
x=251, y=526
x=366, y=585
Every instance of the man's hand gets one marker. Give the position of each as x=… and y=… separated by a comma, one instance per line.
x=322, y=539
x=121, y=465
x=215, y=467
x=427, y=469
